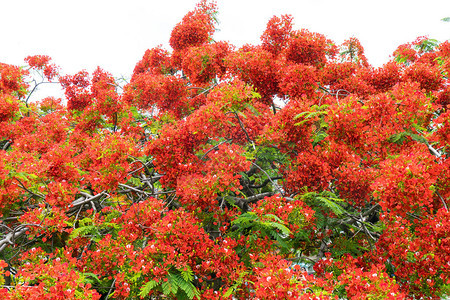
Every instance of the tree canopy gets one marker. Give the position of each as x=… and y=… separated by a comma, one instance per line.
x=292, y=169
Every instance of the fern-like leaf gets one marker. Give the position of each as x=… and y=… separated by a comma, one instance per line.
x=145, y=290
x=82, y=231
x=166, y=287
x=187, y=274
x=334, y=207
x=185, y=285
x=284, y=230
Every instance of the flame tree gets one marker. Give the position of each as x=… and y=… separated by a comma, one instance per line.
x=291, y=169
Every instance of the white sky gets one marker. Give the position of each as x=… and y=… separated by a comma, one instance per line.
x=114, y=34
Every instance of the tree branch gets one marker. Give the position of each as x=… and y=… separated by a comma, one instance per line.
x=273, y=183
x=241, y=202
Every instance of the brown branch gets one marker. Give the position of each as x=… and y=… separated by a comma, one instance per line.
x=25, y=189
x=443, y=201
x=9, y=239
x=215, y=147
x=265, y=182
x=273, y=183
x=242, y=127
x=240, y=202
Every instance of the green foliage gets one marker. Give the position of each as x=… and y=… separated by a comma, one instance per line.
x=266, y=155
x=400, y=137
x=23, y=176
x=242, y=278
x=187, y=274
x=145, y=290
x=343, y=245
x=427, y=45
x=317, y=113
x=401, y=59
x=134, y=181
x=445, y=290
x=179, y=283
x=86, y=230
x=325, y=200
x=91, y=278
x=87, y=227
x=318, y=137
x=268, y=225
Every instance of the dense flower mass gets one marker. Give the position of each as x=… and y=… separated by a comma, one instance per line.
x=292, y=169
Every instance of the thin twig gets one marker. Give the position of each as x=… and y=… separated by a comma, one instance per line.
x=242, y=127
x=215, y=147
x=265, y=182
x=24, y=188
x=273, y=183
x=443, y=201
x=110, y=289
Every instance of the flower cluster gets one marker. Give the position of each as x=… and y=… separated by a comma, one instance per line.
x=42, y=63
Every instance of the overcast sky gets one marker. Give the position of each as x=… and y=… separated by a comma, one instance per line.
x=114, y=34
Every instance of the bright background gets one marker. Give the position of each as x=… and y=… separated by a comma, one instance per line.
x=114, y=34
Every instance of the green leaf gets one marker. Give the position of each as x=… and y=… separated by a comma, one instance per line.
x=400, y=59
x=135, y=112
x=272, y=216
x=325, y=199
x=373, y=227
x=82, y=231
x=79, y=294
x=187, y=274
x=91, y=278
x=318, y=111
x=245, y=218
x=166, y=287
x=280, y=240
x=21, y=175
x=174, y=284
x=256, y=95
x=334, y=207
x=85, y=221
x=418, y=138
x=300, y=114
x=242, y=114
x=319, y=137
x=145, y=290
x=135, y=181
x=397, y=138
x=447, y=19
x=427, y=45
x=179, y=282
x=252, y=108
x=418, y=128
x=229, y=292
x=231, y=123
x=400, y=137
x=279, y=226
